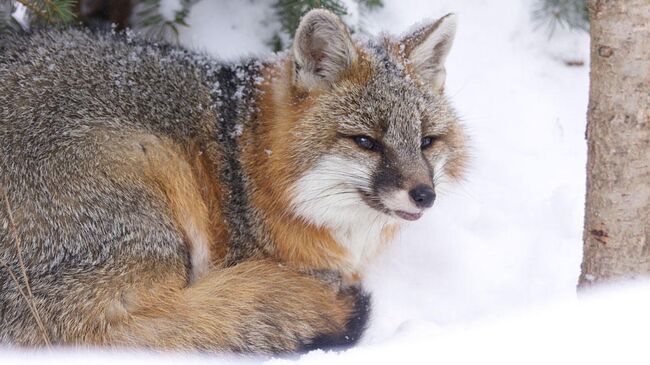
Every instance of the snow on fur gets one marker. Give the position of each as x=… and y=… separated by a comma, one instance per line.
x=506, y=240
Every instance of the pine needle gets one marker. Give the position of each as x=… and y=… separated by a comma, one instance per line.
x=52, y=11
x=570, y=14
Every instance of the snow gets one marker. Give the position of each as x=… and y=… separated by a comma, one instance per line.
x=510, y=235
x=607, y=328
x=490, y=273
x=168, y=8
x=230, y=29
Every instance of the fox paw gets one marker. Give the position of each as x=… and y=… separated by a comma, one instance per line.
x=355, y=325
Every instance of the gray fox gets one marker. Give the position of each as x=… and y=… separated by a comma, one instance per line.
x=154, y=197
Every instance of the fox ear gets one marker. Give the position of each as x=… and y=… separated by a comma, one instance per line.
x=427, y=49
x=322, y=49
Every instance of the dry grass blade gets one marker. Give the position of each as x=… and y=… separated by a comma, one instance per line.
x=29, y=297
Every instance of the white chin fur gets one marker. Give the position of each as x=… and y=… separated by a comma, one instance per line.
x=326, y=196
x=400, y=200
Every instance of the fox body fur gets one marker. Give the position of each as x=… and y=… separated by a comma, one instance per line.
x=154, y=197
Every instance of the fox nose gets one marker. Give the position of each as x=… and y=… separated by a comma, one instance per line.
x=423, y=196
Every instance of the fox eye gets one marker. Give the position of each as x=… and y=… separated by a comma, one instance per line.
x=427, y=142
x=367, y=143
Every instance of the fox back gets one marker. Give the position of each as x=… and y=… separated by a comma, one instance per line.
x=153, y=196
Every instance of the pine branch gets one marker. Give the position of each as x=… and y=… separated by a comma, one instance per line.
x=51, y=11
x=290, y=11
x=149, y=17
x=570, y=14
x=60, y=11
x=371, y=3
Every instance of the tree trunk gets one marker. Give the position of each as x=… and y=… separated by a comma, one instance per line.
x=617, y=213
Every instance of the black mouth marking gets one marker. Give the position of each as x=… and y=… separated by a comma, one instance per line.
x=376, y=204
x=409, y=216
x=373, y=201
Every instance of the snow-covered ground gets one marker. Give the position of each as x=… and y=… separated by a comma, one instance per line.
x=490, y=273
x=610, y=328
x=510, y=235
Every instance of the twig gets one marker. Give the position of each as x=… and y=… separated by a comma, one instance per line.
x=17, y=242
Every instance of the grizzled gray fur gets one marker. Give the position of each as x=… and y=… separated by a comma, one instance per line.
x=142, y=203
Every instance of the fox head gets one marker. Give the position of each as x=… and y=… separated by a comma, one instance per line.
x=370, y=132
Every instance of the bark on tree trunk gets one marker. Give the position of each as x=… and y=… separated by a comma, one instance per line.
x=617, y=213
